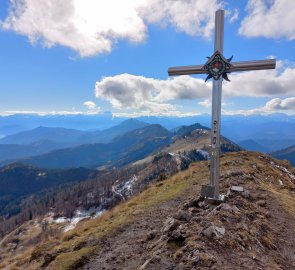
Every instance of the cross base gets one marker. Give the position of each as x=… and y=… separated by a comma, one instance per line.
x=219, y=200
x=208, y=192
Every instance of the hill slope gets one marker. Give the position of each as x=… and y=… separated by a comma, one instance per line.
x=252, y=145
x=18, y=181
x=169, y=227
x=288, y=153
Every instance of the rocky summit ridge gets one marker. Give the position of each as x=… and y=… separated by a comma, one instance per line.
x=168, y=226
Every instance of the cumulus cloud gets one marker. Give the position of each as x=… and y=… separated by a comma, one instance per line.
x=194, y=17
x=263, y=83
x=275, y=105
x=278, y=104
x=126, y=91
x=90, y=105
x=271, y=19
x=92, y=26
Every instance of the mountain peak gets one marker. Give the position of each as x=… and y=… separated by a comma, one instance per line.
x=168, y=226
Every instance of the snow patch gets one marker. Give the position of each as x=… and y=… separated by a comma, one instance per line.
x=205, y=154
x=125, y=190
x=70, y=223
x=284, y=170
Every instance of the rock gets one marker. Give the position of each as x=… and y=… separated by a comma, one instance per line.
x=213, y=232
x=182, y=215
x=196, y=219
x=169, y=225
x=194, y=257
x=201, y=204
x=192, y=203
x=261, y=203
x=181, y=266
x=226, y=206
x=151, y=235
x=178, y=235
x=246, y=194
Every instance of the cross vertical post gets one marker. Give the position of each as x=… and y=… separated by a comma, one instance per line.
x=216, y=108
x=218, y=67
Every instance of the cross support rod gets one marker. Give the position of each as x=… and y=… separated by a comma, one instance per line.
x=236, y=66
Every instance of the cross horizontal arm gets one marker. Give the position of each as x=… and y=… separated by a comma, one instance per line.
x=186, y=70
x=253, y=65
x=236, y=66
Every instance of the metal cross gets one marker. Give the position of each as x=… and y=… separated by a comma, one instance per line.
x=217, y=67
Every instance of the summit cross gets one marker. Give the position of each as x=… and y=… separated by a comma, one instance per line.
x=218, y=67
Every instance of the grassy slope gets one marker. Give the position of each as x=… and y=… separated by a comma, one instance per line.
x=71, y=245
x=70, y=250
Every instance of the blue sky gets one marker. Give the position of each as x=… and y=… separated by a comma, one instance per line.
x=86, y=56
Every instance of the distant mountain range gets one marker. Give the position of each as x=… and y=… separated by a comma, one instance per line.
x=256, y=133
x=287, y=153
x=273, y=132
x=57, y=134
x=72, y=136
x=123, y=149
x=44, y=139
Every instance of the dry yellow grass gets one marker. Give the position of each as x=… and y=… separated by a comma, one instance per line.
x=71, y=247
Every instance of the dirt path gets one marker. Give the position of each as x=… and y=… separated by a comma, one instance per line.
x=284, y=226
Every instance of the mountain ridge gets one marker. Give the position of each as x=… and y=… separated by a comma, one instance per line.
x=287, y=153
x=46, y=139
x=169, y=227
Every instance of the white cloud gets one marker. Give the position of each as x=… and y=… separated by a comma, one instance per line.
x=128, y=91
x=278, y=104
x=205, y=103
x=93, y=26
x=233, y=15
x=87, y=26
x=271, y=19
x=90, y=105
x=263, y=83
x=194, y=17
x=174, y=113
x=275, y=105
x=42, y=113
